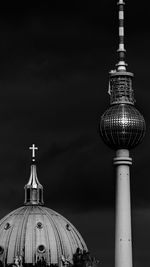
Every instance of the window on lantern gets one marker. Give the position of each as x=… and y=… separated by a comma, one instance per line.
x=28, y=194
x=40, y=195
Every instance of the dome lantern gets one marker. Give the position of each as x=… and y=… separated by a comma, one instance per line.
x=33, y=189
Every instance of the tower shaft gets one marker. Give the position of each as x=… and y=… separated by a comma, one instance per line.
x=122, y=128
x=123, y=239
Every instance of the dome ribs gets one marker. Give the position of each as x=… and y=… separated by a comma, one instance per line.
x=38, y=235
x=13, y=237
x=57, y=238
x=48, y=253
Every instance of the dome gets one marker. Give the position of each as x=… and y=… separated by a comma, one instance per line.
x=34, y=235
x=38, y=234
x=122, y=126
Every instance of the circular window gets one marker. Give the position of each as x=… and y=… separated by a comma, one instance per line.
x=7, y=226
x=39, y=225
x=41, y=248
x=1, y=250
x=68, y=227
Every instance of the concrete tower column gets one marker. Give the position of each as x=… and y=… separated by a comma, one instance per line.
x=122, y=128
x=123, y=239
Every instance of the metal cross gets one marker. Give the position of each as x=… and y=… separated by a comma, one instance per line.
x=33, y=148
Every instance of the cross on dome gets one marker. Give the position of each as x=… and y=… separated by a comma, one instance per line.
x=33, y=148
x=120, y=2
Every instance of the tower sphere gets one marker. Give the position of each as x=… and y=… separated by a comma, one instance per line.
x=122, y=126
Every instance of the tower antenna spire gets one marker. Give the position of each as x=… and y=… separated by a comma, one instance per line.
x=121, y=66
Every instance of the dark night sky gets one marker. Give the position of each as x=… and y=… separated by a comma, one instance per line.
x=54, y=64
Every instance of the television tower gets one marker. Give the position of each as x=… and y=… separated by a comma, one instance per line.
x=122, y=127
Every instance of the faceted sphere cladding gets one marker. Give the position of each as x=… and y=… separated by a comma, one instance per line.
x=122, y=126
x=36, y=234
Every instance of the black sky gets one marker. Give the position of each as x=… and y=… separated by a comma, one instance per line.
x=54, y=64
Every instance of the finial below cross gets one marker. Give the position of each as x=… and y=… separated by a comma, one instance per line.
x=33, y=148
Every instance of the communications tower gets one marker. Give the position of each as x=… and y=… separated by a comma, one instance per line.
x=122, y=127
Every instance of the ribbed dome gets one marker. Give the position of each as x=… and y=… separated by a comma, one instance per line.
x=38, y=234
x=34, y=235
